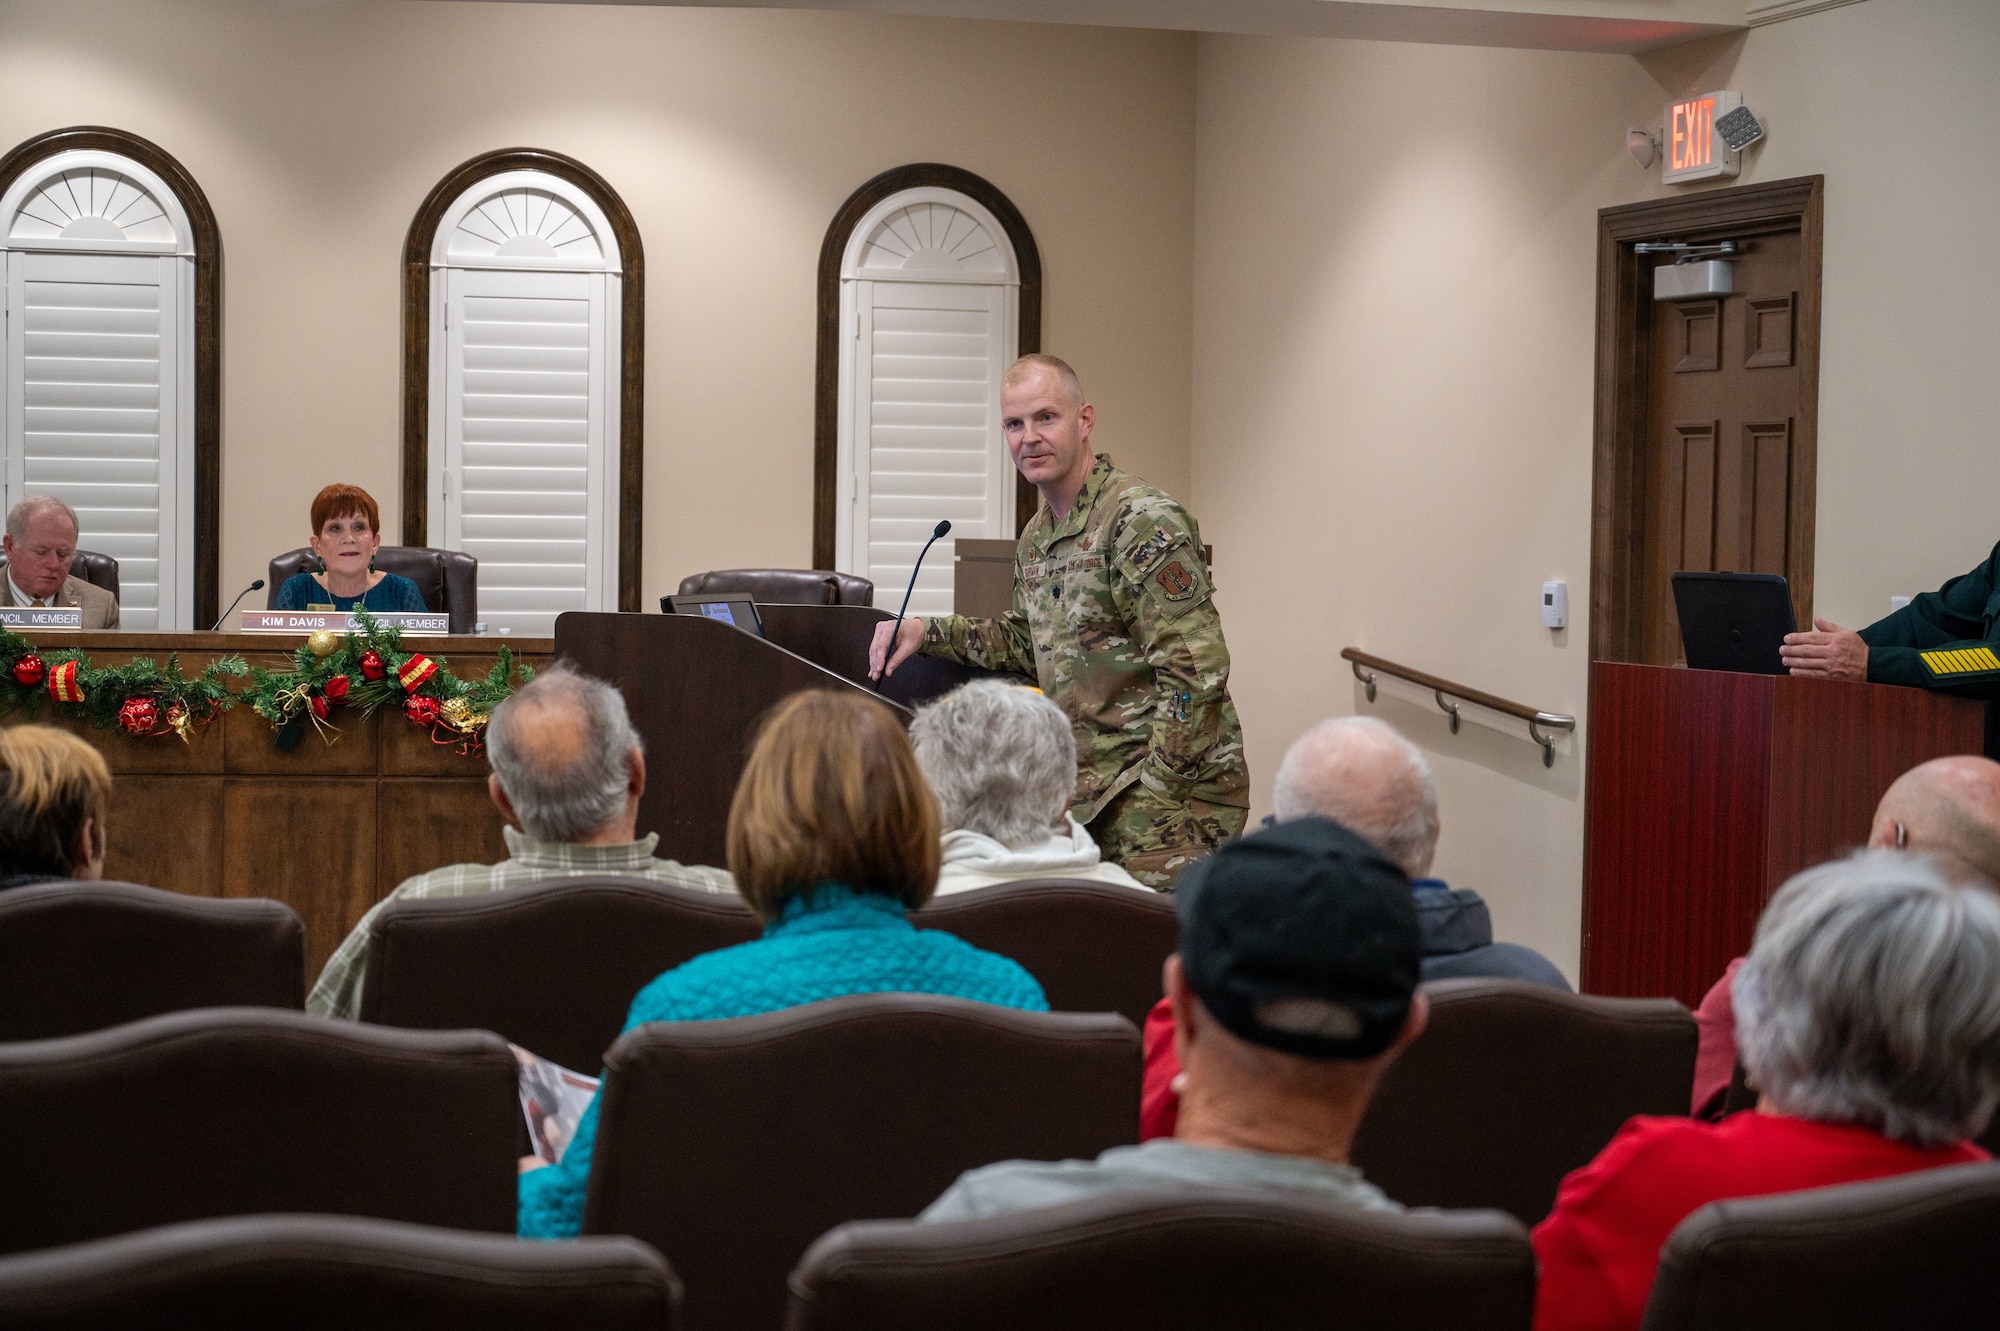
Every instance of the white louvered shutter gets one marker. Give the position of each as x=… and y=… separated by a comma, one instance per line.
x=930, y=297
x=97, y=395
x=92, y=409
x=525, y=485
x=525, y=292
x=928, y=426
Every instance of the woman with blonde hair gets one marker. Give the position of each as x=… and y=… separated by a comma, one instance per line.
x=833, y=839
x=54, y=791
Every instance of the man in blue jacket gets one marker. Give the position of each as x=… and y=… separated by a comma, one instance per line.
x=1945, y=640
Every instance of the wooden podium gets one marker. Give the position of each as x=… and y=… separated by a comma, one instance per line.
x=697, y=688
x=1707, y=790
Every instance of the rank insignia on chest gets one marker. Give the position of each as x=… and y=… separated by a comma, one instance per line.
x=1961, y=662
x=1175, y=580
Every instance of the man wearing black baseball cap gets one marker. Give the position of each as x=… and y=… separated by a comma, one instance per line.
x=1294, y=987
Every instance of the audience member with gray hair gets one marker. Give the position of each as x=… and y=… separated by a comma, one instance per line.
x=1002, y=761
x=1869, y=1016
x=568, y=771
x=1361, y=773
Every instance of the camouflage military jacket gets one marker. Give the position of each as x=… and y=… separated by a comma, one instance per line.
x=1113, y=616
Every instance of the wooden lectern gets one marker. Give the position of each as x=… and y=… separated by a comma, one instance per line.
x=1707, y=790
x=696, y=689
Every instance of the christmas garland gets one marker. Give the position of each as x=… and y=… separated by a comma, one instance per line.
x=139, y=698
x=368, y=670
x=365, y=670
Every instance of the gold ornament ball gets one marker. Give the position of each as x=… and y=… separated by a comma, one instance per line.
x=323, y=642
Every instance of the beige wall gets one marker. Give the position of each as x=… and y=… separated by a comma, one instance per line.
x=733, y=136
x=1897, y=104
x=1394, y=317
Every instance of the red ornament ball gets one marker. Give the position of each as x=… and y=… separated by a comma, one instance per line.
x=421, y=711
x=336, y=690
x=371, y=665
x=139, y=716
x=29, y=670
x=319, y=706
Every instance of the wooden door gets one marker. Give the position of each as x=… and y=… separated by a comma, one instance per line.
x=1707, y=416
x=1722, y=416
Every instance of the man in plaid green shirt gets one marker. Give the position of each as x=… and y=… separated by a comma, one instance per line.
x=568, y=771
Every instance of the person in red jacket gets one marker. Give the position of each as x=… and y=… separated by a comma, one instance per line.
x=1868, y=1013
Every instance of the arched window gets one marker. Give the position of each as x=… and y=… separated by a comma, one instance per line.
x=936, y=289
x=523, y=267
x=109, y=392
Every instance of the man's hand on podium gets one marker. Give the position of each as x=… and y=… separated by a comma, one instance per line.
x=1830, y=653
x=909, y=634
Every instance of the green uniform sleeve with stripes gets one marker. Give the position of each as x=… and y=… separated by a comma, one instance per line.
x=1945, y=639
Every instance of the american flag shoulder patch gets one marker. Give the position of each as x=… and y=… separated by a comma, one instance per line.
x=1961, y=661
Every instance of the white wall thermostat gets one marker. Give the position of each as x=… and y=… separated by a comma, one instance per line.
x=1555, y=605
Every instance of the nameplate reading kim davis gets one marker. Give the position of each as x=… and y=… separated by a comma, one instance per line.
x=41, y=617
x=340, y=621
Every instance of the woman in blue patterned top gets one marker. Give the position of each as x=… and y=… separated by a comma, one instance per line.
x=833, y=838
x=346, y=535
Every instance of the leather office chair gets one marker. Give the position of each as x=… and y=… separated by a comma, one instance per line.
x=95, y=569
x=1913, y=1250
x=1094, y=947
x=552, y=966
x=733, y=1144
x=1513, y=1086
x=337, y=1273
x=1194, y=1260
x=449, y=579
x=80, y=956
x=782, y=586
x=236, y=1111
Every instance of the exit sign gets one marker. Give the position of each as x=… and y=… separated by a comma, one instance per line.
x=1690, y=147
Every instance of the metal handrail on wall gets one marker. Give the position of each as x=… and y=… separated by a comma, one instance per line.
x=1363, y=664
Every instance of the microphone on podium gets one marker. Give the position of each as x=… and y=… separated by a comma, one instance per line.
x=944, y=526
x=238, y=601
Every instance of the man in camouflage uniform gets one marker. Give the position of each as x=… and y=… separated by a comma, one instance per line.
x=1113, y=616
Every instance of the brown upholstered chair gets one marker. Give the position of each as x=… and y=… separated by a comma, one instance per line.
x=234, y=1111
x=77, y=956
x=1095, y=947
x=95, y=569
x=782, y=586
x=1513, y=1086
x=552, y=966
x=731, y=1145
x=1917, y=1250
x=337, y=1273
x=449, y=579
x=1222, y=1258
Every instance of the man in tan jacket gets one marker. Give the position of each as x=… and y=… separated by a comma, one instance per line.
x=40, y=539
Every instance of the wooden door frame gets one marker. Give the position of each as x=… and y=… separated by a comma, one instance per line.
x=207, y=242
x=826, y=367
x=1624, y=323
x=629, y=449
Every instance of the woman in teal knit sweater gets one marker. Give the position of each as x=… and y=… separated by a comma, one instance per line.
x=833, y=838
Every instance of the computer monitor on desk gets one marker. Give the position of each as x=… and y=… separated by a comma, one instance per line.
x=737, y=610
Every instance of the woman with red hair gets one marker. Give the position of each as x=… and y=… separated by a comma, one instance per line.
x=346, y=535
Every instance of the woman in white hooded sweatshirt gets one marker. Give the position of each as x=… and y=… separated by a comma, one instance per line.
x=1002, y=760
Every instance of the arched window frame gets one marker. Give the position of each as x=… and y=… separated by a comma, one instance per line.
x=206, y=240
x=832, y=255
x=417, y=262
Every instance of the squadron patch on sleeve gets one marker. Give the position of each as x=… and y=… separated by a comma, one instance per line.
x=1961, y=661
x=1176, y=581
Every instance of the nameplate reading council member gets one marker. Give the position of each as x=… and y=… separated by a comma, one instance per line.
x=1114, y=617
x=40, y=542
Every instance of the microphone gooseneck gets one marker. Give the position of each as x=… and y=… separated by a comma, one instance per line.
x=233, y=604
x=944, y=526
